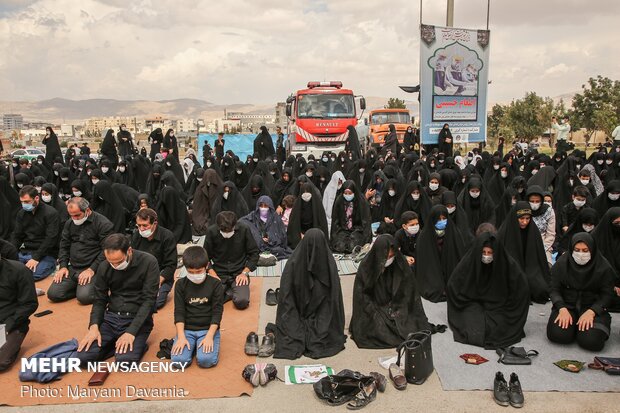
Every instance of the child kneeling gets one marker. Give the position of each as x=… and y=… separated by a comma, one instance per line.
x=198, y=306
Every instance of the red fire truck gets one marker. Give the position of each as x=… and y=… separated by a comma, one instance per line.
x=318, y=118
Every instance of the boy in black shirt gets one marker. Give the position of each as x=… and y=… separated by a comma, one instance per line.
x=198, y=306
x=407, y=236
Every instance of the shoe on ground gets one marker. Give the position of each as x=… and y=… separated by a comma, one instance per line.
x=380, y=380
x=271, y=297
x=251, y=344
x=268, y=373
x=398, y=378
x=268, y=346
x=251, y=375
x=500, y=390
x=364, y=397
x=515, y=391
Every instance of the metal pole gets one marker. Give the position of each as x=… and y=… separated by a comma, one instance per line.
x=450, y=14
x=488, y=12
x=420, y=12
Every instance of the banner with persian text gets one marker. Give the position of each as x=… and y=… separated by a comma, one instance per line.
x=454, y=73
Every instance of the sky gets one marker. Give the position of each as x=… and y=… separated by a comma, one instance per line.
x=259, y=51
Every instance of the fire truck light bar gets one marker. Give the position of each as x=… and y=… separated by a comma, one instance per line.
x=336, y=84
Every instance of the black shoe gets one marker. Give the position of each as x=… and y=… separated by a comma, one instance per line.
x=380, y=380
x=251, y=374
x=268, y=373
x=268, y=346
x=271, y=297
x=278, y=294
x=251, y=344
x=500, y=390
x=516, y=394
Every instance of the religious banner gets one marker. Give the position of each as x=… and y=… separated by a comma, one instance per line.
x=454, y=73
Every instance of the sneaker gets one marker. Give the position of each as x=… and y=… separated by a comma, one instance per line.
x=516, y=393
x=268, y=373
x=251, y=375
x=500, y=390
x=251, y=344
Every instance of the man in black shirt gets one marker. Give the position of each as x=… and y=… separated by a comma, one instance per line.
x=219, y=146
x=121, y=319
x=37, y=228
x=80, y=253
x=18, y=300
x=84, y=151
x=198, y=306
x=160, y=243
x=233, y=253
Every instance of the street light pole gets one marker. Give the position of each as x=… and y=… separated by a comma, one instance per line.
x=450, y=14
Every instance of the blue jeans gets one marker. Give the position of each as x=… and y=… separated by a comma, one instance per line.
x=195, y=339
x=46, y=266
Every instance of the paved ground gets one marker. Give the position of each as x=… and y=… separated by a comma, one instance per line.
x=428, y=397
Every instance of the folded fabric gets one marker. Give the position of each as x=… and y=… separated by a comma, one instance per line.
x=306, y=374
x=473, y=358
x=572, y=366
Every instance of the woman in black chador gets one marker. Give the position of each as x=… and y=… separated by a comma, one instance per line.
x=386, y=303
x=582, y=287
x=350, y=220
x=310, y=317
x=521, y=238
x=488, y=297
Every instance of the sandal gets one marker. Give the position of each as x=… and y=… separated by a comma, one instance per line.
x=366, y=395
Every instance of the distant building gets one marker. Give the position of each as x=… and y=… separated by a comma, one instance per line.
x=12, y=121
x=99, y=126
x=281, y=119
x=67, y=131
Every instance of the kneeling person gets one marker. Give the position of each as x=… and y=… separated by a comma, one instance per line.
x=198, y=306
x=121, y=318
x=80, y=253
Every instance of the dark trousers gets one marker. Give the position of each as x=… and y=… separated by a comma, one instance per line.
x=162, y=295
x=10, y=349
x=592, y=339
x=239, y=294
x=69, y=288
x=111, y=329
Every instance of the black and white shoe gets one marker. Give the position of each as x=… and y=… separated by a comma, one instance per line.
x=500, y=390
x=516, y=393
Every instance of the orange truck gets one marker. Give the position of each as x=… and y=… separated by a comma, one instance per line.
x=379, y=121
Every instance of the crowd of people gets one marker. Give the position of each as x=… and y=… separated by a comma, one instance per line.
x=486, y=232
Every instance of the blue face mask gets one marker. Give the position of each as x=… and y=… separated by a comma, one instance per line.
x=349, y=198
x=441, y=224
x=27, y=207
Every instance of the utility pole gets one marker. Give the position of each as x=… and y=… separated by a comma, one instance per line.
x=450, y=14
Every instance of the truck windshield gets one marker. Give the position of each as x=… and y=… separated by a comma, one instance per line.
x=325, y=106
x=390, y=117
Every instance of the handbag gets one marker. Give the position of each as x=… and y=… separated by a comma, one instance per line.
x=418, y=356
x=515, y=356
x=609, y=365
x=338, y=389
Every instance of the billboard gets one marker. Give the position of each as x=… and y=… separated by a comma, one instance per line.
x=454, y=73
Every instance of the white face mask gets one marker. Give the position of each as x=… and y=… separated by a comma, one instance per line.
x=105, y=169
x=80, y=221
x=38, y=188
x=388, y=262
x=600, y=161
x=581, y=258
x=578, y=203
x=348, y=197
x=225, y=195
x=535, y=206
x=487, y=259
x=208, y=164
x=46, y=198
x=227, y=234
x=56, y=173
x=549, y=203
x=196, y=278
x=413, y=229
x=613, y=197
x=362, y=170
x=122, y=266
x=20, y=185
x=391, y=192
x=121, y=169
x=199, y=179
x=451, y=210
x=504, y=174
x=609, y=161
x=584, y=181
x=587, y=227
x=77, y=193
x=496, y=167
x=306, y=196
x=239, y=171
x=324, y=159
x=263, y=210
x=415, y=196
x=534, y=171
x=145, y=233
x=474, y=194
x=309, y=174
x=433, y=187
x=95, y=181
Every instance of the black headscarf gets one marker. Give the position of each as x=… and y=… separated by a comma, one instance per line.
x=602, y=203
x=234, y=201
x=527, y=249
x=421, y=207
x=306, y=214
x=107, y=203
x=248, y=193
x=386, y=302
x=434, y=264
x=487, y=303
x=607, y=237
x=353, y=144
x=343, y=239
x=263, y=144
x=56, y=203
x=587, y=216
x=310, y=317
x=478, y=210
x=209, y=189
x=172, y=214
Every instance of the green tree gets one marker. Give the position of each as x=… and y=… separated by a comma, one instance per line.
x=598, y=105
x=530, y=117
x=395, y=103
